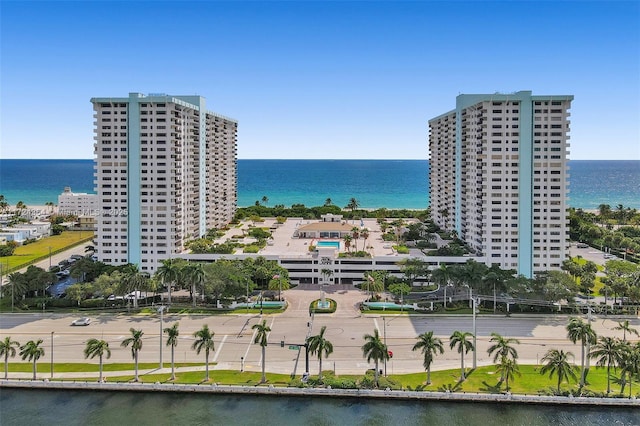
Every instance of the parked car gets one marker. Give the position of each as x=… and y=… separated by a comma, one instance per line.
x=76, y=256
x=81, y=321
x=582, y=245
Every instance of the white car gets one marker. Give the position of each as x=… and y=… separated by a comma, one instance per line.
x=81, y=321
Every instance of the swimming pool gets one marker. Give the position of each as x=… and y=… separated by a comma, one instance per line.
x=333, y=244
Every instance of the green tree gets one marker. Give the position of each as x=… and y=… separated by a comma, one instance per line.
x=625, y=327
x=413, y=268
x=399, y=289
x=607, y=352
x=502, y=349
x=629, y=364
x=429, y=345
x=353, y=205
x=97, y=348
x=168, y=273
x=319, y=345
x=582, y=331
x=460, y=339
x=374, y=349
x=194, y=273
x=508, y=368
x=172, y=340
x=136, y=345
x=204, y=340
x=556, y=362
x=262, y=332
x=8, y=349
x=32, y=351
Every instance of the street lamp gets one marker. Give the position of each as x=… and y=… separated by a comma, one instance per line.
x=49, y=259
x=384, y=322
x=161, y=309
x=52, y=354
x=475, y=349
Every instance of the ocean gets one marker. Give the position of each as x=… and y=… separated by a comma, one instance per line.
x=374, y=183
x=46, y=407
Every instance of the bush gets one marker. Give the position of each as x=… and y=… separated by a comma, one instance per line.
x=313, y=307
x=401, y=249
x=252, y=248
x=93, y=303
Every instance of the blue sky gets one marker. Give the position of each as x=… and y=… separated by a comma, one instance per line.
x=317, y=79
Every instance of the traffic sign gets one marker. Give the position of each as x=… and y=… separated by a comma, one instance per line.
x=294, y=347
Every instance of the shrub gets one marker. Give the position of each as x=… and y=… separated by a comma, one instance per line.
x=251, y=249
x=401, y=249
x=93, y=303
x=313, y=307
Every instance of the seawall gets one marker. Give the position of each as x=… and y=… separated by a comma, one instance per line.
x=321, y=392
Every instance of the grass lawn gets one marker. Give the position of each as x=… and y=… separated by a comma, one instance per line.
x=482, y=380
x=30, y=253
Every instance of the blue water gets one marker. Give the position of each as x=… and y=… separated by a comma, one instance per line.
x=334, y=244
x=374, y=183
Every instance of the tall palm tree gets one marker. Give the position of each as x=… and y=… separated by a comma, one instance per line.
x=172, y=340
x=194, y=272
x=353, y=205
x=8, y=349
x=318, y=344
x=459, y=338
x=507, y=368
x=265, y=200
x=328, y=202
x=580, y=330
x=136, y=345
x=32, y=351
x=364, y=233
x=429, y=345
x=355, y=233
x=261, y=339
x=374, y=349
x=347, y=241
x=625, y=327
x=557, y=363
x=502, y=349
x=168, y=273
x=97, y=348
x=607, y=352
x=629, y=364
x=204, y=340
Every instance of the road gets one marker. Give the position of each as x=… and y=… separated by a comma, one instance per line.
x=345, y=329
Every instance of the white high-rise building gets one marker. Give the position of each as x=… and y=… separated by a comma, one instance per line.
x=77, y=203
x=165, y=173
x=499, y=177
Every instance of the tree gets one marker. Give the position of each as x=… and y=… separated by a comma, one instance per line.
x=507, y=368
x=136, y=345
x=319, y=345
x=412, y=268
x=204, y=340
x=374, y=349
x=625, y=327
x=347, y=241
x=328, y=202
x=261, y=339
x=97, y=348
x=429, y=345
x=557, y=363
x=502, y=349
x=459, y=338
x=580, y=330
x=168, y=273
x=172, y=340
x=353, y=205
x=607, y=353
x=194, y=272
x=7, y=350
x=400, y=289
x=629, y=364
x=355, y=234
x=32, y=351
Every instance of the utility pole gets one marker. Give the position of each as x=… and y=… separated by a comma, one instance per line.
x=384, y=322
x=161, y=309
x=52, y=354
x=475, y=348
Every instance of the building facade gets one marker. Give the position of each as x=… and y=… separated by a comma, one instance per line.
x=499, y=177
x=77, y=203
x=165, y=173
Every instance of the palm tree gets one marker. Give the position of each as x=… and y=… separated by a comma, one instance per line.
x=32, y=351
x=374, y=349
x=136, y=345
x=347, y=241
x=318, y=344
x=364, y=233
x=580, y=330
x=430, y=346
x=97, y=348
x=168, y=274
x=194, y=272
x=353, y=205
x=625, y=327
x=355, y=233
x=557, y=363
x=328, y=202
x=7, y=350
x=629, y=364
x=608, y=352
x=204, y=340
x=507, y=368
x=172, y=340
x=459, y=338
x=265, y=200
x=502, y=349
x=261, y=339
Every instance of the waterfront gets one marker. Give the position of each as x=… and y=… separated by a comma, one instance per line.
x=39, y=407
x=374, y=183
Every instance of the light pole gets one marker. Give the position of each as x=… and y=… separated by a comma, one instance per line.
x=49, y=259
x=247, y=296
x=52, y=354
x=384, y=322
x=161, y=309
x=475, y=349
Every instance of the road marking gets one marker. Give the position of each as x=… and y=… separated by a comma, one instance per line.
x=375, y=322
x=253, y=336
x=215, y=357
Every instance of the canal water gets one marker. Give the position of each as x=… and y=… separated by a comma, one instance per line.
x=55, y=407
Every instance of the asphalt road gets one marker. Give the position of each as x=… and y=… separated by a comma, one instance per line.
x=234, y=336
